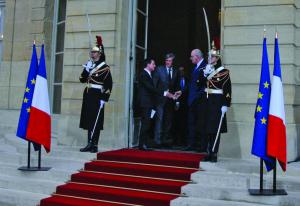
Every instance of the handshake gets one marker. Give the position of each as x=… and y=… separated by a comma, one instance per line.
x=174, y=96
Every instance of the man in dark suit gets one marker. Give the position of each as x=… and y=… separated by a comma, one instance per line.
x=197, y=103
x=148, y=95
x=166, y=78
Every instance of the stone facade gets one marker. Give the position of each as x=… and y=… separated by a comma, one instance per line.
x=242, y=32
x=243, y=24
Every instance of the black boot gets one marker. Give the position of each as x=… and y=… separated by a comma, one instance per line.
x=213, y=157
x=87, y=148
x=95, y=140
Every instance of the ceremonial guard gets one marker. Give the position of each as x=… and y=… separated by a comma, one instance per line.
x=97, y=76
x=218, y=94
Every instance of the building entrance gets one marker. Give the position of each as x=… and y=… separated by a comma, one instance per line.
x=168, y=26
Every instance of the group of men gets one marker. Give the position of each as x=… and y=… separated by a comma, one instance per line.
x=207, y=94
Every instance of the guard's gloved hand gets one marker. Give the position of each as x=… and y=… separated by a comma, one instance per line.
x=208, y=70
x=224, y=109
x=102, y=103
x=88, y=66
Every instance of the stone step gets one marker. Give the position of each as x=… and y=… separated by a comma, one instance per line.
x=242, y=180
x=63, y=163
x=10, y=197
x=60, y=152
x=51, y=175
x=237, y=195
x=41, y=186
x=192, y=201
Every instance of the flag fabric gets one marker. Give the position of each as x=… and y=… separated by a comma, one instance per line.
x=28, y=95
x=259, y=145
x=39, y=125
x=276, y=143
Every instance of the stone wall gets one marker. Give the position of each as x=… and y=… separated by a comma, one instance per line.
x=108, y=18
x=24, y=22
x=243, y=25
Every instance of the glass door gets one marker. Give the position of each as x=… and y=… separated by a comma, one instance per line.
x=139, y=46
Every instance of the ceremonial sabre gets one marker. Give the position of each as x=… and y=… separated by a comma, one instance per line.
x=96, y=121
x=208, y=35
x=89, y=29
x=217, y=136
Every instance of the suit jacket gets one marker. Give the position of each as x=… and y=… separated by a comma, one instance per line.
x=161, y=81
x=148, y=93
x=197, y=83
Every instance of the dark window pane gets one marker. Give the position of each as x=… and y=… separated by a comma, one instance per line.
x=60, y=37
x=59, y=64
x=141, y=29
x=57, y=99
x=142, y=5
x=139, y=61
x=62, y=10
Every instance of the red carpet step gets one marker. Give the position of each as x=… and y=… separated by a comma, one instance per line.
x=74, y=201
x=141, y=183
x=140, y=170
x=189, y=160
x=128, y=177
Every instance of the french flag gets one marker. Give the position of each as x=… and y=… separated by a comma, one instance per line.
x=39, y=125
x=276, y=140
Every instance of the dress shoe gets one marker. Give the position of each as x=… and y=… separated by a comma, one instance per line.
x=188, y=148
x=144, y=148
x=157, y=146
x=86, y=148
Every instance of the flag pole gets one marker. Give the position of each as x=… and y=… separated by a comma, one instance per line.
x=274, y=177
x=28, y=155
x=261, y=178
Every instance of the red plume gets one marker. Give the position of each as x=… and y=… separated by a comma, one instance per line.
x=99, y=40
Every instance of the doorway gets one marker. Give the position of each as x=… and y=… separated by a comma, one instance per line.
x=161, y=27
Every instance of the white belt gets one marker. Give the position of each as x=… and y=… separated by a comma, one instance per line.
x=95, y=86
x=214, y=91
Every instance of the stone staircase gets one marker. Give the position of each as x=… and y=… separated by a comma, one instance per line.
x=19, y=188
x=224, y=183
x=227, y=183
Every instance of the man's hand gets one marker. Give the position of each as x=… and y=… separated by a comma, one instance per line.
x=102, y=103
x=89, y=65
x=224, y=109
x=208, y=70
x=177, y=94
x=170, y=95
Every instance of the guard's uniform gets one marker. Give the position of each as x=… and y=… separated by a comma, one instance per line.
x=99, y=86
x=218, y=94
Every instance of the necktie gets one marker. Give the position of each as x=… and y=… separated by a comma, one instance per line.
x=182, y=84
x=170, y=77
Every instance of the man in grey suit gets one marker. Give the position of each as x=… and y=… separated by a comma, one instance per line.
x=165, y=78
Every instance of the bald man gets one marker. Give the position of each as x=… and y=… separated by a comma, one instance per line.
x=197, y=103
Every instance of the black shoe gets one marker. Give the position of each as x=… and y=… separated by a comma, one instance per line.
x=86, y=148
x=214, y=158
x=188, y=148
x=206, y=159
x=157, y=146
x=94, y=149
x=144, y=148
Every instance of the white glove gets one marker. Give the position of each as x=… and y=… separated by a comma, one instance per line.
x=102, y=103
x=208, y=70
x=224, y=109
x=89, y=65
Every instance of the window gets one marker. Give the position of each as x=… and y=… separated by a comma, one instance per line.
x=2, y=4
x=58, y=54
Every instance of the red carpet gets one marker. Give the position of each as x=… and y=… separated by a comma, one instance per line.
x=128, y=177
